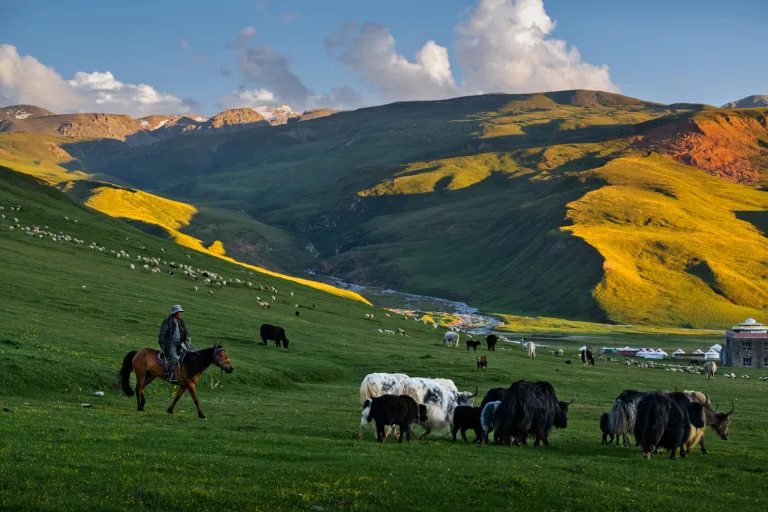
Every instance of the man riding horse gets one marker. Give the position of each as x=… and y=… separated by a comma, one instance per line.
x=173, y=340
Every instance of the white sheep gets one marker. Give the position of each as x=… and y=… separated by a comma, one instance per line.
x=133, y=267
x=155, y=270
x=274, y=298
x=195, y=288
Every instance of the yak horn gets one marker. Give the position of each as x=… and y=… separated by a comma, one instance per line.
x=733, y=408
x=574, y=398
x=706, y=402
x=476, y=390
x=716, y=407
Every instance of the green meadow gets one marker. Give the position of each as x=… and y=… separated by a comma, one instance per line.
x=282, y=429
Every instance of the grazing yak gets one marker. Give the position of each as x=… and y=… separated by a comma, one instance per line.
x=488, y=411
x=491, y=341
x=493, y=395
x=466, y=417
x=531, y=350
x=664, y=420
x=621, y=418
x=529, y=409
x=451, y=339
x=604, y=419
x=719, y=421
x=274, y=333
x=391, y=410
x=710, y=367
x=440, y=396
x=586, y=356
x=378, y=384
x=473, y=345
x=482, y=363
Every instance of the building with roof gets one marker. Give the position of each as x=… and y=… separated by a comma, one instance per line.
x=746, y=345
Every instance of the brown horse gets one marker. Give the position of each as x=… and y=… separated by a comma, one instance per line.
x=144, y=363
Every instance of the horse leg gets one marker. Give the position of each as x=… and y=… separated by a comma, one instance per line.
x=140, y=389
x=147, y=381
x=179, y=392
x=193, y=392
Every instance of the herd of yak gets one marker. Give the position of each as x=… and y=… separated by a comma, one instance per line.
x=674, y=421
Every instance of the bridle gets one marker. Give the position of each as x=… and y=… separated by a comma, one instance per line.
x=217, y=362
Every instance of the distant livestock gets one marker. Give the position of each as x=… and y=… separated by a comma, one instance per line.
x=491, y=341
x=482, y=363
x=531, y=350
x=451, y=339
x=273, y=332
x=665, y=420
x=529, y=409
x=466, y=417
x=473, y=345
x=710, y=367
x=586, y=356
x=390, y=410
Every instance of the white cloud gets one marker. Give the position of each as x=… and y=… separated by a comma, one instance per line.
x=371, y=52
x=111, y=95
x=26, y=80
x=504, y=46
x=262, y=67
x=342, y=98
x=247, y=99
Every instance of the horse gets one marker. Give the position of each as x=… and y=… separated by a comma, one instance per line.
x=145, y=363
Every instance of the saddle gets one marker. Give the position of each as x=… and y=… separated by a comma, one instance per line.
x=160, y=358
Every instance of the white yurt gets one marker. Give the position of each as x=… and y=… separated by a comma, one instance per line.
x=716, y=347
x=698, y=352
x=678, y=352
x=712, y=355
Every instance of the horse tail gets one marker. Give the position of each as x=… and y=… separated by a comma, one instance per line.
x=125, y=373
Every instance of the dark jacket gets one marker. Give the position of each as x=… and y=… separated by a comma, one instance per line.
x=165, y=338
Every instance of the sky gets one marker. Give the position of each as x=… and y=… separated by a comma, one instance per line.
x=200, y=57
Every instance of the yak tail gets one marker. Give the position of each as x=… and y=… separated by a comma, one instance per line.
x=652, y=418
x=125, y=373
x=514, y=415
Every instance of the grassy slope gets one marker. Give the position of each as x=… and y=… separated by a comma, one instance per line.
x=282, y=428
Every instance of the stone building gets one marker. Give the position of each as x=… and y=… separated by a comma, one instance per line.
x=746, y=345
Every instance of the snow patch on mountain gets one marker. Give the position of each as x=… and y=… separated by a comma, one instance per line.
x=277, y=115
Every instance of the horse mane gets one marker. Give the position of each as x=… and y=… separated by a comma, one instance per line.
x=197, y=362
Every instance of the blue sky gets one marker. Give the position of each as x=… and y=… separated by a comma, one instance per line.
x=665, y=51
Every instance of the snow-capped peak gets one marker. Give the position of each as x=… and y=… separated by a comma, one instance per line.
x=277, y=115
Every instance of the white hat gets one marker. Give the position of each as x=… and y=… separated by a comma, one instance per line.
x=176, y=309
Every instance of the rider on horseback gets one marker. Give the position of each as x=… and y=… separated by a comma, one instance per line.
x=173, y=337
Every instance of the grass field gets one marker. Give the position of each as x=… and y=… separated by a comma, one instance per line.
x=282, y=429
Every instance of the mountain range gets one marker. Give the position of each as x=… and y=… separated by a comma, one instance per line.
x=578, y=204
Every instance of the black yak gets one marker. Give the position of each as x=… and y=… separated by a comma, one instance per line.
x=621, y=419
x=274, y=333
x=586, y=356
x=529, y=409
x=466, y=417
x=493, y=395
x=390, y=410
x=664, y=421
x=491, y=340
x=472, y=344
x=604, y=418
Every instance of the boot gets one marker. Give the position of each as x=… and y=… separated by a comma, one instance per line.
x=170, y=370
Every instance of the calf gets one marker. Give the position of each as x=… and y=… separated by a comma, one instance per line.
x=390, y=410
x=605, y=429
x=486, y=416
x=482, y=363
x=491, y=340
x=274, y=333
x=473, y=345
x=466, y=417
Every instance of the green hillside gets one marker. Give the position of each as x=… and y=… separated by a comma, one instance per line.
x=282, y=429
x=476, y=199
